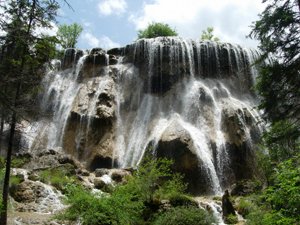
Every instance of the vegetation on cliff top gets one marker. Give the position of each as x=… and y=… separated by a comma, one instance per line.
x=157, y=30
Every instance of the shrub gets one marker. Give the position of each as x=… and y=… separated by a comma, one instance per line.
x=231, y=219
x=59, y=177
x=245, y=206
x=184, y=216
x=19, y=162
x=135, y=202
x=283, y=195
x=280, y=202
x=157, y=30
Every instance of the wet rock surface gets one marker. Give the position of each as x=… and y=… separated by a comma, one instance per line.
x=177, y=144
x=107, y=108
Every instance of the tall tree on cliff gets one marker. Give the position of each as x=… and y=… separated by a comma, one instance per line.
x=278, y=30
x=68, y=34
x=208, y=35
x=21, y=58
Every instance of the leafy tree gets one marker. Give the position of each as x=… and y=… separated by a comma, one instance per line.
x=278, y=30
x=157, y=30
x=68, y=35
x=208, y=35
x=22, y=58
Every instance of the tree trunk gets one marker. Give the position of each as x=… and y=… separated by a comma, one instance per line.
x=7, y=170
x=3, y=219
x=1, y=131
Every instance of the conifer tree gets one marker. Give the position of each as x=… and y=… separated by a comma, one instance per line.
x=20, y=65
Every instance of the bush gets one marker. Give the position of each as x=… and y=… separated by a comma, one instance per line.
x=135, y=202
x=231, y=219
x=245, y=206
x=157, y=30
x=59, y=177
x=184, y=216
x=284, y=194
x=19, y=162
x=280, y=202
x=94, y=209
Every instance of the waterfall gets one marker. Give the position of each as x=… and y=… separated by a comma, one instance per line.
x=61, y=89
x=157, y=91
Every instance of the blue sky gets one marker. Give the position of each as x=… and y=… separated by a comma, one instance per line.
x=113, y=23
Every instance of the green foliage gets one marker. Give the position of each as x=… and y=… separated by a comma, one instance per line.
x=94, y=209
x=278, y=30
x=231, y=219
x=284, y=194
x=246, y=205
x=59, y=177
x=207, y=35
x=2, y=162
x=184, y=216
x=157, y=30
x=19, y=162
x=45, y=48
x=282, y=140
x=23, y=53
x=135, y=202
x=15, y=180
x=280, y=202
x=68, y=34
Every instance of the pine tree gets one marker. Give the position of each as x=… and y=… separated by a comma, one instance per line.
x=21, y=61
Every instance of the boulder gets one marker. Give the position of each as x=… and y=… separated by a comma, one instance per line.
x=238, y=125
x=119, y=175
x=27, y=191
x=99, y=172
x=176, y=144
x=99, y=183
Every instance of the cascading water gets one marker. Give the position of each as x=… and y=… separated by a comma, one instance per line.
x=61, y=90
x=158, y=92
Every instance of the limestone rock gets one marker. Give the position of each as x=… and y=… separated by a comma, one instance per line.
x=93, y=114
x=238, y=126
x=71, y=56
x=96, y=60
x=99, y=172
x=27, y=191
x=99, y=183
x=176, y=144
x=119, y=175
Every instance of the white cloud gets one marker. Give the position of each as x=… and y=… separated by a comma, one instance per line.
x=103, y=42
x=109, y=7
x=47, y=31
x=91, y=40
x=230, y=18
x=107, y=43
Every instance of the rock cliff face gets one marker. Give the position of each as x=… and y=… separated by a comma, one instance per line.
x=192, y=101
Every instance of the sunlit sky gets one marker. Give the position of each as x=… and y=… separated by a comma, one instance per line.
x=114, y=23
